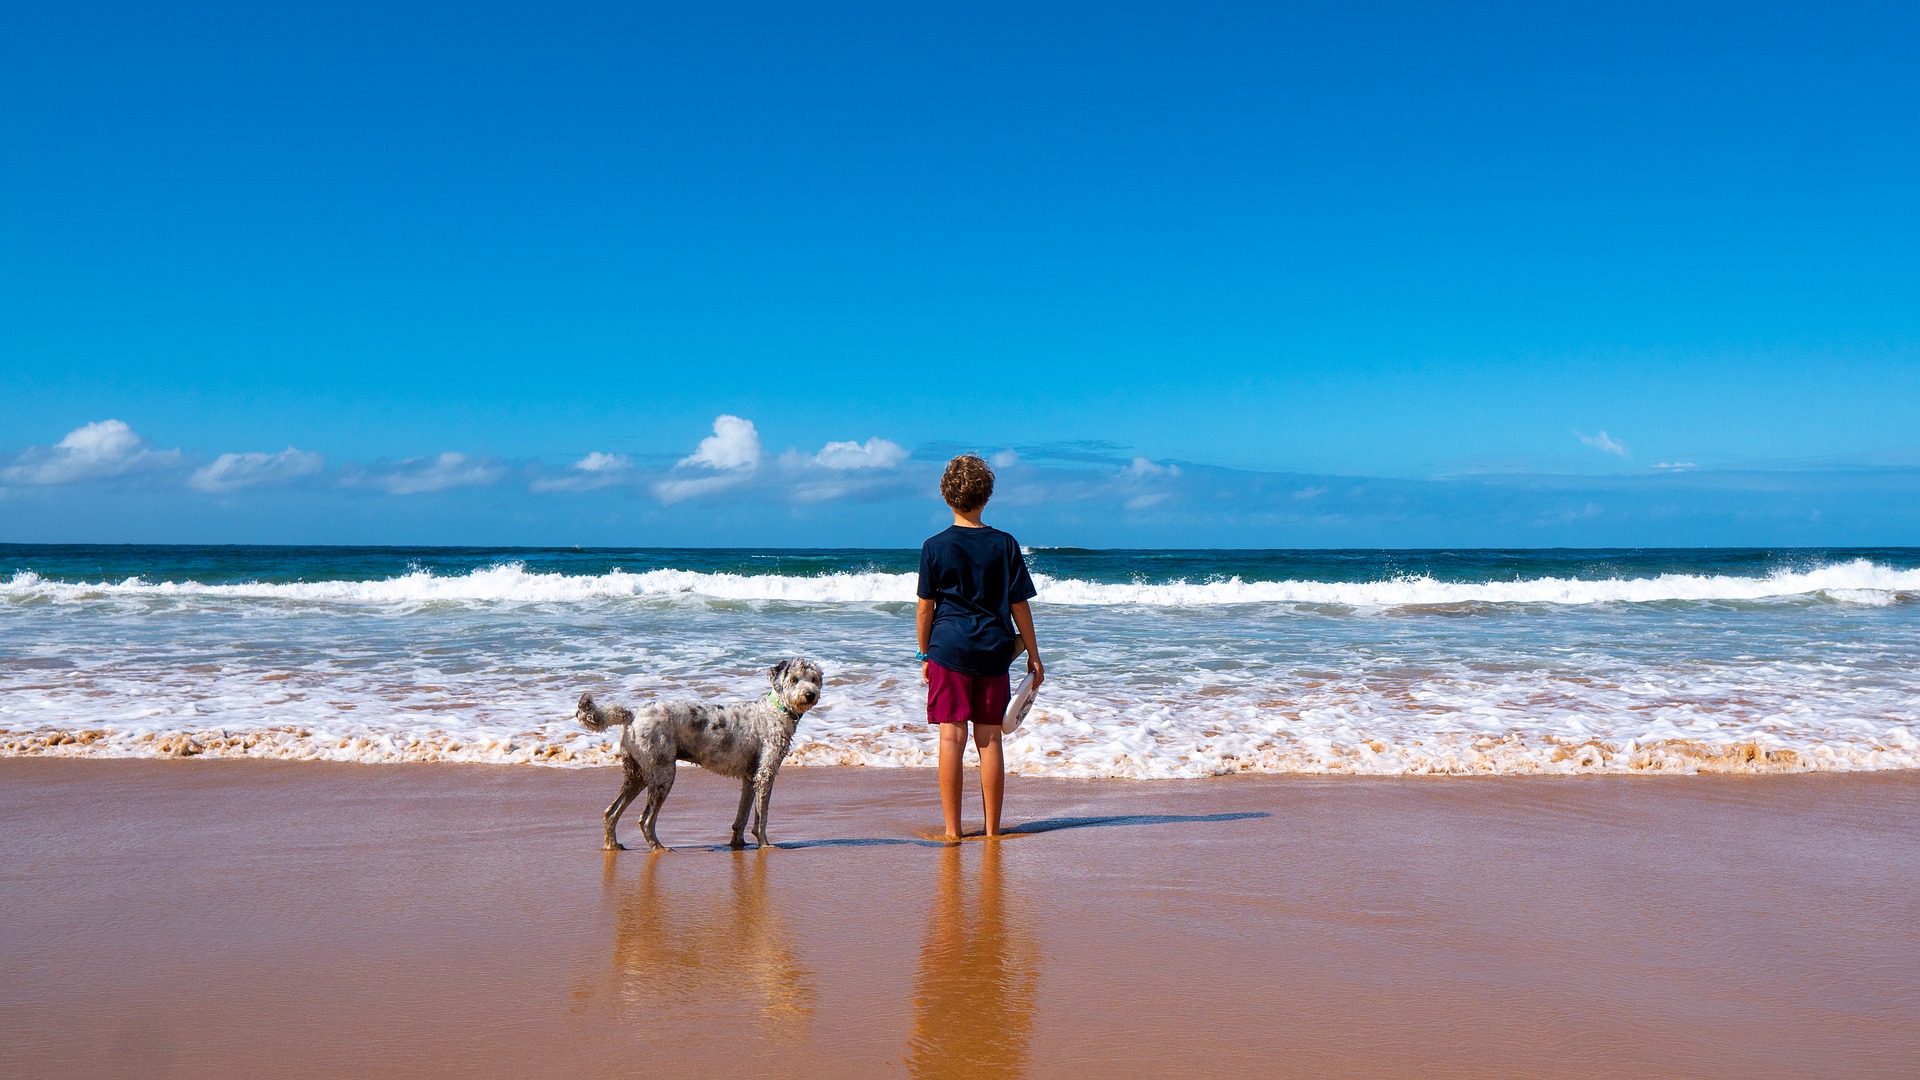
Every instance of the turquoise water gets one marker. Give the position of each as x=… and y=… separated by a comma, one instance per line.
x=1161, y=663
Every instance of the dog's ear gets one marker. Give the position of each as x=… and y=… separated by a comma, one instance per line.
x=776, y=671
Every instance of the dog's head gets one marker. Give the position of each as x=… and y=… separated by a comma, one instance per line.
x=797, y=683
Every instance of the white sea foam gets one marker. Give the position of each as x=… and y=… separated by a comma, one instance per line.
x=1795, y=670
x=509, y=583
x=1059, y=742
x=1460, y=717
x=1853, y=581
x=1856, y=582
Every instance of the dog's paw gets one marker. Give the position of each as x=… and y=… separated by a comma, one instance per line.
x=612, y=845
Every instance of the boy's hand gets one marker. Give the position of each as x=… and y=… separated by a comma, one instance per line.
x=923, y=672
x=1038, y=669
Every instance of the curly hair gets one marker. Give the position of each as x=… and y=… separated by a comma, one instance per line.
x=967, y=484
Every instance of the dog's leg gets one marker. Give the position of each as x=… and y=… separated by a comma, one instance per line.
x=658, y=785
x=740, y=819
x=629, y=788
x=763, y=795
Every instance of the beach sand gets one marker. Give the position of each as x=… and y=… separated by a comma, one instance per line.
x=232, y=918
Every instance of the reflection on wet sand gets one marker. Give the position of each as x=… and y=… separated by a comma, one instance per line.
x=975, y=990
x=680, y=947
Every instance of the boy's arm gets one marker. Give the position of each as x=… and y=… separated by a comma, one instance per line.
x=923, y=621
x=1023, y=621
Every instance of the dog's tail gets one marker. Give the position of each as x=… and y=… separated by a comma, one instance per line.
x=599, y=717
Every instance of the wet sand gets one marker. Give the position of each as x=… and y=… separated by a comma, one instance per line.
x=209, y=918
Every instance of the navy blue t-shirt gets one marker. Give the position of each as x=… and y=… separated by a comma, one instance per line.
x=974, y=576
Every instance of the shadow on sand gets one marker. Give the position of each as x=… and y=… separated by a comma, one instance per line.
x=1030, y=828
x=1056, y=824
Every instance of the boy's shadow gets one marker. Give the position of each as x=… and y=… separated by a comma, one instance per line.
x=1030, y=828
x=1059, y=823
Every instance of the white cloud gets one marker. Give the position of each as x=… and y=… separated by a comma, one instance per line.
x=417, y=476
x=1142, y=473
x=598, y=462
x=1313, y=492
x=98, y=450
x=1005, y=459
x=231, y=472
x=1142, y=468
x=1675, y=466
x=731, y=457
x=1604, y=442
x=734, y=445
x=596, y=470
x=822, y=492
x=876, y=454
x=733, y=451
x=673, y=491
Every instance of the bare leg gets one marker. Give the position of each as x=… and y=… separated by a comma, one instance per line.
x=740, y=819
x=953, y=758
x=993, y=773
x=629, y=788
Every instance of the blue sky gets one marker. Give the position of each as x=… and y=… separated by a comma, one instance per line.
x=1235, y=275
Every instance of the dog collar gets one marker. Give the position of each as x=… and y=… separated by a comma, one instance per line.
x=774, y=700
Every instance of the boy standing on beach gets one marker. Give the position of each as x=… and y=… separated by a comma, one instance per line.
x=973, y=620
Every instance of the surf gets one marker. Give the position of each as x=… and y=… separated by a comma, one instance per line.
x=1857, y=582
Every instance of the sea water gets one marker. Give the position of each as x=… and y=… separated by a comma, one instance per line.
x=1159, y=663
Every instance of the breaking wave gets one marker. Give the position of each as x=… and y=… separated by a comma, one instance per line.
x=1613, y=662
x=1859, y=581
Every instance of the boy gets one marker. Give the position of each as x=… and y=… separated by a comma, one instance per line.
x=974, y=589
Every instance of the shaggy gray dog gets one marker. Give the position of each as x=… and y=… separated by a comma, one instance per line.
x=747, y=740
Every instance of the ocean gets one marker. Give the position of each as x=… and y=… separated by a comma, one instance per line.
x=1161, y=664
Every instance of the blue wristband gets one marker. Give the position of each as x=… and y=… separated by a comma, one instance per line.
x=922, y=657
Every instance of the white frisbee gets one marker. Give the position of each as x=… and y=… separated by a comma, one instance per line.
x=1018, y=707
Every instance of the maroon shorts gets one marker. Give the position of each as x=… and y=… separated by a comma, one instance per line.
x=955, y=697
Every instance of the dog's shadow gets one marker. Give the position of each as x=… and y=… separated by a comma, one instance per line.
x=1029, y=828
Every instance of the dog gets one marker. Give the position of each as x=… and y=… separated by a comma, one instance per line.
x=746, y=740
